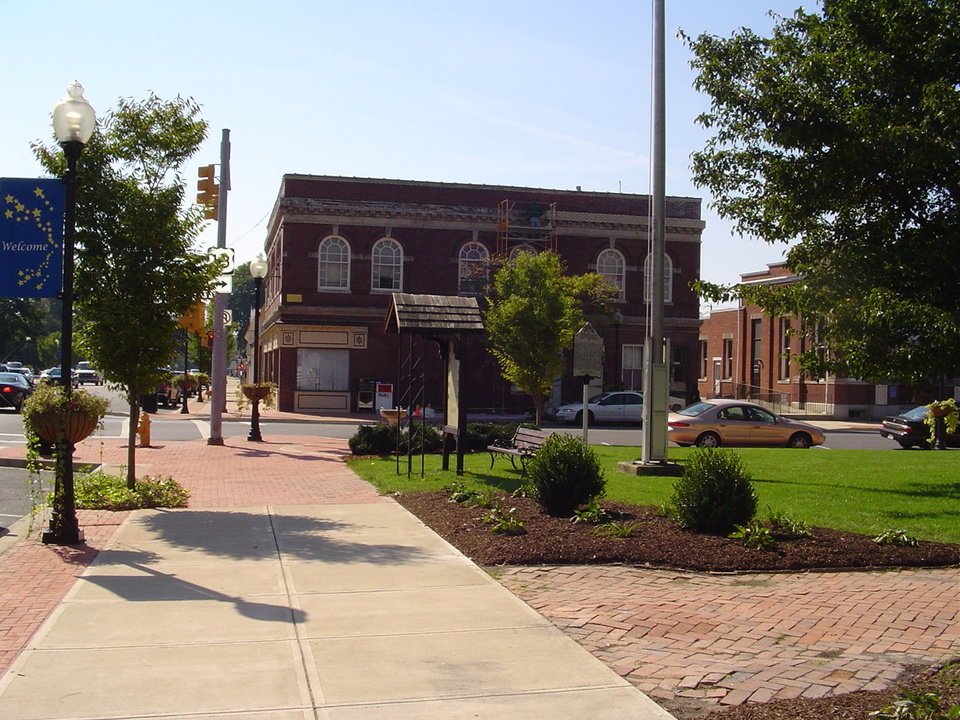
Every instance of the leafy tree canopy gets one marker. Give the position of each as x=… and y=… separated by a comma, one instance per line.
x=534, y=312
x=841, y=131
x=137, y=270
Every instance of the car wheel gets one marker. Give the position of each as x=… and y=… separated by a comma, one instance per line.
x=708, y=440
x=905, y=444
x=800, y=440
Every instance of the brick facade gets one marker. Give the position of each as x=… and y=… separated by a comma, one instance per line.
x=322, y=322
x=744, y=353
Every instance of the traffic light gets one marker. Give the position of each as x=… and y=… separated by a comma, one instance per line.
x=195, y=318
x=208, y=192
x=207, y=340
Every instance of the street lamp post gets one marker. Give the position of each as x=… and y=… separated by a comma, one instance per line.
x=73, y=124
x=258, y=271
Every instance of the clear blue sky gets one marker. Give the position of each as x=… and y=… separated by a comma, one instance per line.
x=536, y=93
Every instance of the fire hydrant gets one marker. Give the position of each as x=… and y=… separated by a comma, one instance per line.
x=143, y=430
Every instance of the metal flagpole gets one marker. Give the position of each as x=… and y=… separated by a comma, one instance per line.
x=218, y=370
x=655, y=365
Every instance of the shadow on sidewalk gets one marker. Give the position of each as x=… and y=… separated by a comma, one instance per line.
x=243, y=535
x=153, y=586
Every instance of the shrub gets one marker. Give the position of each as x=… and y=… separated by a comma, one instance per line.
x=715, y=492
x=479, y=435
x=381, y=439
x=100, y=491
x=564, y=474
x=754, y=535
x=891, y=536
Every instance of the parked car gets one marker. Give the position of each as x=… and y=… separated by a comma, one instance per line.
x=712, y=423
x=86, y=373
x=18, y=367
x=52, y=376
x=910, y=430
x=610, y=407
x=14, y=389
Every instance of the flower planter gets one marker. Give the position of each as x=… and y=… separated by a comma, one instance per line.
x=254, y=392
x=74, y=426
x=393, y=415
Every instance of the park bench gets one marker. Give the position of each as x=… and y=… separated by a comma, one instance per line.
x=523, y=445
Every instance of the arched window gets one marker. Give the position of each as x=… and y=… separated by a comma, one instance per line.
x=387, y=271
x=472, y=269
x=667, y=279
x=334, y=263
x=525, y=247
x=610, y=264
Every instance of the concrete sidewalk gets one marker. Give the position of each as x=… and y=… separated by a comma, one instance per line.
x=288, y=590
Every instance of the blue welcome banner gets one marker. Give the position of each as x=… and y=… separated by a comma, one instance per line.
x=31, y=237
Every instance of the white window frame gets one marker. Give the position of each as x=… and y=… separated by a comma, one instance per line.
x=323, y=261
x=377, y=263
x=667, y=279
x=631, y=356
x=473, y=255
x=612, y=265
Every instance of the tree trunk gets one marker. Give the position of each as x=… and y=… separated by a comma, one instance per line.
x=132, y=443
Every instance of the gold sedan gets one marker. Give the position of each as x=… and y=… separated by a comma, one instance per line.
x=712, y=423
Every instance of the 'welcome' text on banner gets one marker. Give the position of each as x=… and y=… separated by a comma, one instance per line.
x=31, y=237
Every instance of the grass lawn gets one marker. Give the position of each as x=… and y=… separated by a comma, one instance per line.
x=863, y=491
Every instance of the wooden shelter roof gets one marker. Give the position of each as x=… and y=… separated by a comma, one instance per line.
x=433, y=313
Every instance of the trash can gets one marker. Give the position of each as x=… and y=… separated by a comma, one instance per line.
x=148, y=403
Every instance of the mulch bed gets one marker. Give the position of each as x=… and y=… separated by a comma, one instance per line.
x=659, y=542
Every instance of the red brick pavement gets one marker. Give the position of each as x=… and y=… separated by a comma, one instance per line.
x=750, y=638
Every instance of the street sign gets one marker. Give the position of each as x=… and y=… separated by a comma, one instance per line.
x=224, y=285
x=224, y=253
x=227, y=317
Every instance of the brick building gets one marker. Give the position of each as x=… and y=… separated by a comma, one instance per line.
x=338, y=247
x=745, y=353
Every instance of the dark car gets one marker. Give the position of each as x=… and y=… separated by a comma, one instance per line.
x=14, y=389
x=52, y=376
x=910, y=429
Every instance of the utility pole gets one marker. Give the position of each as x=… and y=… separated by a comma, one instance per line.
x=218, y=369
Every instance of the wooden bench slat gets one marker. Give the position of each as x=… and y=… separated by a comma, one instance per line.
x=524, y=445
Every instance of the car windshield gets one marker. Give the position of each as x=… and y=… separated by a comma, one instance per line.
x=695, y=409
x=918, y=413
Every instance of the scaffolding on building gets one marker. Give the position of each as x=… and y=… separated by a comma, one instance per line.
x=532, y=224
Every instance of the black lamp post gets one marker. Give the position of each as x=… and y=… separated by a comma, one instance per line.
x=258, y=271
x=186, y=362
x=73, y=123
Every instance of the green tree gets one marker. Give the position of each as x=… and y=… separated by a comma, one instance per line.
x=841, y=131
x=22, y=324
x=241, y=302
x=534, y=311
x=137, y=270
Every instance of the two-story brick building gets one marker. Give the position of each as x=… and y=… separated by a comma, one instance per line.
x=337, y=248
x=745, y=353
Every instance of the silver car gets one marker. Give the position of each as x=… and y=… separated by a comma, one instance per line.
x=622, y=406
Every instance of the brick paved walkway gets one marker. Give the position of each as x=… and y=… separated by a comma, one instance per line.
x=750, y=638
